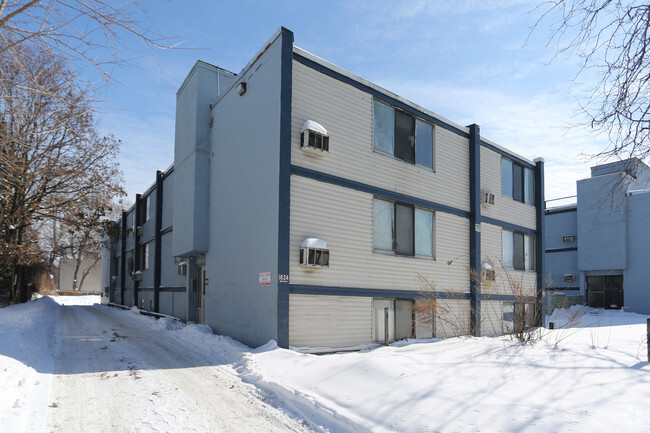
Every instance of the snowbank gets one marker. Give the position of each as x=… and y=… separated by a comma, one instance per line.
x=589, y=374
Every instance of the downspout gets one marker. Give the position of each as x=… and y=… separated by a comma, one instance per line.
x=123, y=258
x=158, y=240
x=475, y=228
x=136, y=248
x=540, y=247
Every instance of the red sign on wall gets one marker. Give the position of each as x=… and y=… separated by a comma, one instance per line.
x=265, y=279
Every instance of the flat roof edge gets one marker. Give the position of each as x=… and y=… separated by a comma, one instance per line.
x=348, y=74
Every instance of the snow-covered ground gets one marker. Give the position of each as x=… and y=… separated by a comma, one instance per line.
x=161, y=375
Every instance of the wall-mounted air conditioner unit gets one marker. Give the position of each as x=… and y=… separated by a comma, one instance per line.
x=314, y=138
x=569, y=278
x=487, y=198
x=568, y=239
x=314, y=253
x=139, y=230
x=137, y=276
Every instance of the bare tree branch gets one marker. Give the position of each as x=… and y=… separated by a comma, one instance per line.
x=611, y=39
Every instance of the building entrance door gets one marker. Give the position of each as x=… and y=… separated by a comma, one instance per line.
x=383, y=320
x=200, y=299
x=605, y=291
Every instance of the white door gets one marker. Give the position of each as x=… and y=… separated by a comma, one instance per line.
x=383, y=318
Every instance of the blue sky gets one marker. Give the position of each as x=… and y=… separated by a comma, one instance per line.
x=468, y=61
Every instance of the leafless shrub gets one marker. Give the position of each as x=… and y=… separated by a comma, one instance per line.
x=508, y=306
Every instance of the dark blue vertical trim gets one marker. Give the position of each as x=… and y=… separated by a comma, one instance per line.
x=157, y=239
x=540, y=247
x=284, y=185
x=136, y=248
x=474, y=227
x=123, y=258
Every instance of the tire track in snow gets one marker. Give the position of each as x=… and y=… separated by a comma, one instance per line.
x=113, y=374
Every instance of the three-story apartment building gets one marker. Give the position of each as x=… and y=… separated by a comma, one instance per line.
x=312, y=207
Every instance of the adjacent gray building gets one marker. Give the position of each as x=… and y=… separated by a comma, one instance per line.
x=304, y=203
x=597, y=249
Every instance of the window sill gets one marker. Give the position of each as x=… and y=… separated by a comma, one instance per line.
x=393, y=254
x=507, y=197
x=528, y=271
x=394, y=158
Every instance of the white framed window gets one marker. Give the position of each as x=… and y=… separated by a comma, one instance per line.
x=402, y=228
x=402, y=135
x=144, y=263
x=518, y=316
x=518, y=250
x=517, y=181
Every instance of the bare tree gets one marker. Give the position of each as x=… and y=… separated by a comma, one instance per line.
x=611, y=37
x=78, y=33
x=53, y=164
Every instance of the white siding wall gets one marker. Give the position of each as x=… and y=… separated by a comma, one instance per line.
x=329, y=321
x=508, y=281
x=346, y=113
x=452, y=318
x=343, y=218
x=504, y=208
x=491, y=318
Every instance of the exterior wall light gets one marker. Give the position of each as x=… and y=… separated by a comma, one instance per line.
x=241, y=88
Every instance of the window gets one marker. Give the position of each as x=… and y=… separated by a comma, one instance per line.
x=145, y=256
x=518, y=316
x=402, y=228
x=402, y=135
x=517, y=181
x=145, y=209
x=518, y=250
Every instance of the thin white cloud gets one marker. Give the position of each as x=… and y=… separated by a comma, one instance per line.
x=533, y=126
x=147, y=146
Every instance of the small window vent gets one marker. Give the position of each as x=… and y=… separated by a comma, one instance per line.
x=487, y=198
x=314, y=138
x=568, y=239
x=314, y=253
x=182, y=268
x=569, y=278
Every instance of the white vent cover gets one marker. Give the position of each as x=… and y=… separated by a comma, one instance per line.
x=314, y=243
x=311, y=125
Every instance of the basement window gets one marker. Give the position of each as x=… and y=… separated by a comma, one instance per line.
x=314, y=138
x=314, y=253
